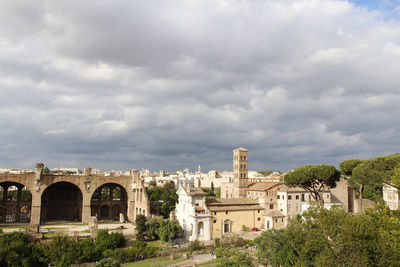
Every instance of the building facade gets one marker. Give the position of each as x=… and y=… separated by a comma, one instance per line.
x=40, y=198
x=192, y=214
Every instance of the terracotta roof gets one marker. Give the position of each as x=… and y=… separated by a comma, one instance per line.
x=234, y=208
x=285, y=188
x=263, y=186
x=274, y=213
x=200, y=209
x=195, y=191
x=212, y=201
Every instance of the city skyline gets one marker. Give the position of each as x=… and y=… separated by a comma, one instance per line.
x=176, y=84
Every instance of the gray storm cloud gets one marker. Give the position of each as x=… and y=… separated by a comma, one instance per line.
x=174, y=84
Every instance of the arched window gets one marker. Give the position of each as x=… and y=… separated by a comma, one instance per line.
x=117, y=193
x=12, y=193
x=105, y=193
x=200, y=228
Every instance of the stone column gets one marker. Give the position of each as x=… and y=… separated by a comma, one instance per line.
x=86, y=197
x=195, y=230
x=19, y=195
x=35, y=211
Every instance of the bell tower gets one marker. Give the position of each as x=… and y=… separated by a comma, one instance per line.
x=240, y=172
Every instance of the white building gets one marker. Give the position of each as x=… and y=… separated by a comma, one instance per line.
x=193, y=214
x=391, y=196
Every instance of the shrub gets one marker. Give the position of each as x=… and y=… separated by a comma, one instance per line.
x=195, y=245
x=217, y=242
x=140, y=223
x=104, y=240
x=108, y=262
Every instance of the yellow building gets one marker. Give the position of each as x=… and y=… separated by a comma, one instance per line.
x=231, y=214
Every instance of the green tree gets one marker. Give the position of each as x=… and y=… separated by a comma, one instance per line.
x=365, y=175
x=140, y=223
x=165, y=194
x=347, y=166
x=212, y=189
x=395, y=177
x=276, y=247
x=314, y=179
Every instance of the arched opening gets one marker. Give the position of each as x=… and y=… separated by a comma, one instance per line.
x=104, y=212
x=61, y=201
x=116, y=209
x=108, y=202
x=116, y=193
x=200, y=229
x=15, y=203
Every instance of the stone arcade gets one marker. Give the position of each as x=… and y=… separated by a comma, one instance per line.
x=40, y=198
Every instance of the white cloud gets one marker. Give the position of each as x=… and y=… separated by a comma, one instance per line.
x=132, y=84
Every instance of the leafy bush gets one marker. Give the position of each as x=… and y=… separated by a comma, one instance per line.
x=104, y=240
x=140, y=223
x=232, y=257
x=195, y=245
x=108, y=262
x=163, y=229
x=335, y=238
x=16, y=251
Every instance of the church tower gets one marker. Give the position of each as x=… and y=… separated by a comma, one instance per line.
x=240, y=172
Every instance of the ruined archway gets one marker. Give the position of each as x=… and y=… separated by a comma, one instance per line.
x=15, y=203
x=61, y=201
x=108, y=202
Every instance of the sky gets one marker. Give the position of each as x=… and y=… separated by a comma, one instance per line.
x=176, y=84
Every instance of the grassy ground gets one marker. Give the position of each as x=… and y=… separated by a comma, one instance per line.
x=155, y=262
x=213, y=263
x=15, y=226
x=158, y=244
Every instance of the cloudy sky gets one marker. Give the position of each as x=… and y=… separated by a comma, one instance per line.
x=174, y=84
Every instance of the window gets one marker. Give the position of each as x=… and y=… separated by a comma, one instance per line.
x=297, y=196
x=258, y=219
x=283, y=196
x=289, y=197
x=282, y=219
x=258, y=211
x=327, y=195
x=271, y=206
x=226, y=212
x=215, y=221
x=215, y=213
x=276, y=220
x=278, y=197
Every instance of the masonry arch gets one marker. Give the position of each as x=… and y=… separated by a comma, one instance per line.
x=108, y=202
x=15, y=203
x=200, y=229
x=61, y=201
